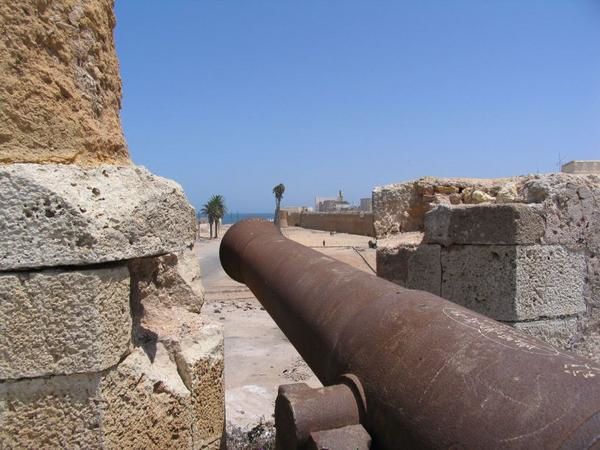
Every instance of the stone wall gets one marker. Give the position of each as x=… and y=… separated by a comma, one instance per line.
x=348, y=222
x=401, y=207
x=531, y=264
x=100, y=295
x=60, y=90
x=103, y=344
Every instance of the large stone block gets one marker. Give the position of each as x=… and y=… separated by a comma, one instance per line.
x=156, y=398
x=63, y=322
x=411, y=266
x=514, y=283
x=201, y=365
x=571, y=205
x=145, y=403
x=56, y=215
x=61, y=90
x=51, y=413
x=401, y=207
x=484, y=224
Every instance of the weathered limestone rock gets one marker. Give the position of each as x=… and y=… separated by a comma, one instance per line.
x=508, y=194
x=142, y=403
x=571, y=205
x=530, y=258
x=53, y=413
x=411, y=266
x=201, y=365
x=515, y=283
x=60, y=90
x=170, y=394
x=55, y=215
x=480, y=197
x=166, y=297
x=167, y=281
x=556, y=332
x=145, y=403
x=63, y=322
x=485, y=224
x=401, y=207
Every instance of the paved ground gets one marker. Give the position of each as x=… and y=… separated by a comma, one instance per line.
x=258, y=357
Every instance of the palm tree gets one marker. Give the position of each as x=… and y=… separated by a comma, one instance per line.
x=215, y=210
x=208, y=212
x=220, y=210
x=278, y=191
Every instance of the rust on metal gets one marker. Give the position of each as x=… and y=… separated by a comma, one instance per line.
x=300, y=410
x=350, y=437
x=432, y=374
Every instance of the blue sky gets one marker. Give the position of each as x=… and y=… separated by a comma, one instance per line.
x=235, y=96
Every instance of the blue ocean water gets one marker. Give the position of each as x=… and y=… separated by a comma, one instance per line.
x=236, y=217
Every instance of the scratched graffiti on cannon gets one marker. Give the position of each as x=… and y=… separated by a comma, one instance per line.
x=501, y=334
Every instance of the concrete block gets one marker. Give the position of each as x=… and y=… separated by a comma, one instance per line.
x=514, y=283
x=63, y=322
x=559, y=333
x=484, y=224
x=412, y=266
x=57, y=215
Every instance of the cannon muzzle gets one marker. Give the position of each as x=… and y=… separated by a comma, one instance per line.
x=425, y=372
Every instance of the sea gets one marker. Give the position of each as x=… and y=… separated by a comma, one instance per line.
x=236, y=217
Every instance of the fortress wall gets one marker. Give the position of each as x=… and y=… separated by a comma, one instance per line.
x=103, y=344
x=401, y=207
x=352, y=223
x=532, y=264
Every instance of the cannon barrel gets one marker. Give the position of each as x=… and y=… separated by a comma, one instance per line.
x=427, y=372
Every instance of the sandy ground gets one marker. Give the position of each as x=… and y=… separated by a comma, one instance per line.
x=258, y=357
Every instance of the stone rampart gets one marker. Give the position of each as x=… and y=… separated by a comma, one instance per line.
x=532, y=264
x=61, y=89
x=343, y=222
x=103, y=344
x=401, y=207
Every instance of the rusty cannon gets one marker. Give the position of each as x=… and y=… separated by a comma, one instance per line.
x=406, y=369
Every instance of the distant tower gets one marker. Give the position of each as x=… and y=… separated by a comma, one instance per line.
x=340, y=196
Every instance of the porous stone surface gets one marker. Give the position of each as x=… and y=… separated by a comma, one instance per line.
x=485, y=224
x=201, y=365
x=166, y=297
x=411, y=266
x=515, y=283
x=60, y=90
x=559, y=333
x=166, y=281
x=63, y=322
x=401, y=207
x=549, y=210
x=571, y=207
x=145, y=403
x=54, y=412
x=57, y=215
